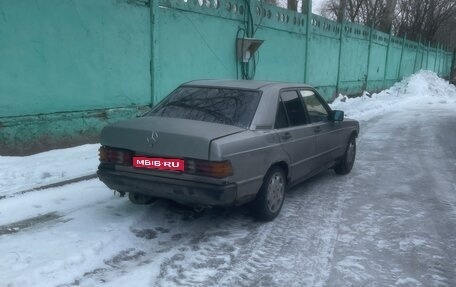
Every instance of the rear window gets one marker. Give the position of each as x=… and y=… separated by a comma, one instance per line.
x=217, y=105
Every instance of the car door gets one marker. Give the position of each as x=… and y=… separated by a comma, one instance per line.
x=328, y=134
x=296, y=136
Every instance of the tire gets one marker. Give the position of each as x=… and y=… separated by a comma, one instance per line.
x=137, y=198
x=270, y=197
x=345, y=164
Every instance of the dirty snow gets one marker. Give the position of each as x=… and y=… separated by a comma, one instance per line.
x=391, y=222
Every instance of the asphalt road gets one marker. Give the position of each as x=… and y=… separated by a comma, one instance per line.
x=391, y=222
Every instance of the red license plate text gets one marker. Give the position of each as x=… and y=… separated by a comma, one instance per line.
x=173, y=164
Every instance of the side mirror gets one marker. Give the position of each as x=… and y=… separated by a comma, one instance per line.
x=336, y=116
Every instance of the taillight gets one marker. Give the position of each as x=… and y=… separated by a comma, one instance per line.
x=115, y=156
x=217, y=169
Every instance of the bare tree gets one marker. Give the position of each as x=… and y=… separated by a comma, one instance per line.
x=446, y=34
x=428, y=20
x=365, y=12
x=386, y=20
x=423, y=19
x=272, y=2
x=292, y=5
x=341, y=10
x=305, y=6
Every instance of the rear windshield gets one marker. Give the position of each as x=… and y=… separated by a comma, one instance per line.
x=217, y=105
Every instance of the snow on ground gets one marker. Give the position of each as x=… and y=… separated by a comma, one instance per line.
x=423, y=88
x=385, y=224
x=22, y=173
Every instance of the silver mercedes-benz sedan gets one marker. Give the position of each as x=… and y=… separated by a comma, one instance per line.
x=227, y=142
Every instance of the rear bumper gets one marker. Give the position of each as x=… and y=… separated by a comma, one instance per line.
x=183, y=191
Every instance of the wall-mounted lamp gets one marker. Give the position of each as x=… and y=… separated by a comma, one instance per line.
x=246, y=47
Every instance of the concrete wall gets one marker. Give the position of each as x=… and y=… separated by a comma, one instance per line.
x=334, y=57
x=68, y=67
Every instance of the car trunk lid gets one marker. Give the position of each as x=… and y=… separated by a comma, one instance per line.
x=167, y=137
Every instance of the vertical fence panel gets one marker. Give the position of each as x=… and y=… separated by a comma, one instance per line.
x=354, y=58
x=401, y=58
x=324, y=48
x=341, y=42
x=284, y=35
x=386, y=61
x=378, y=54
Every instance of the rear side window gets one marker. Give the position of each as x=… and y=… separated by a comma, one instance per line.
x=217, y=105
x=281, y=117
x=315, y=108
x=294, y=108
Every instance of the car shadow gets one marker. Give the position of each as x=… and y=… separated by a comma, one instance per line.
x=184, y=213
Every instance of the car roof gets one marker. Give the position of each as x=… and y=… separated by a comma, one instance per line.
x=244, y=84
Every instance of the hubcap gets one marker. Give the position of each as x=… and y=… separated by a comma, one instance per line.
x=276, y=190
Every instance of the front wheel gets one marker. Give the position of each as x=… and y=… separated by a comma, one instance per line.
x=345, y=164
x=269, y=200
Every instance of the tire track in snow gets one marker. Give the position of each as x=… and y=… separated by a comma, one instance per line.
x=208, y=248
x=255, y=253
x=226, y=248
x=300, y=250
x=399, y=230
x=52, y=185
x=116, y=263
x=28, y=223
x=202, y=245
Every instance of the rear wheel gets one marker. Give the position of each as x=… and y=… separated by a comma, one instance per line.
x=269, y=200
x=345, y=165
x=137, y=198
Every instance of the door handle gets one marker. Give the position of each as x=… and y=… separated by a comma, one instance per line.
x=286, y=136
x=317, y=129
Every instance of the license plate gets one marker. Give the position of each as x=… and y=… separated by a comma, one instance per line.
x=174, y=164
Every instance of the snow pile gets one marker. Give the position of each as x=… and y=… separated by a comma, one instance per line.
x=21, y=173
x=422, y=88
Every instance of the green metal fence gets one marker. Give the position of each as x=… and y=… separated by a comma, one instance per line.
x=68, y=67
x=334, y=57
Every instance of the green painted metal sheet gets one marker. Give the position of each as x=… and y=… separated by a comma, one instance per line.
x=67, y=67
x=62, y=55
